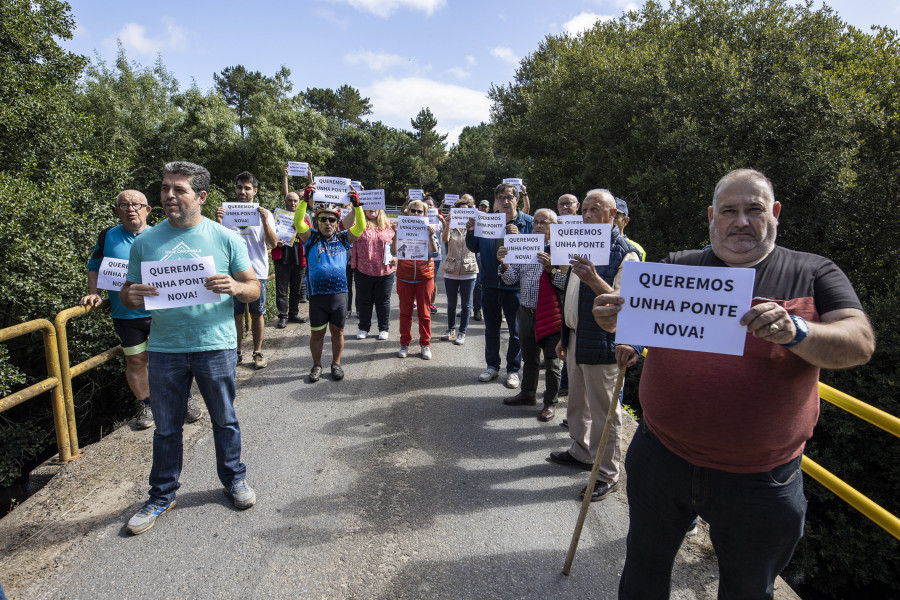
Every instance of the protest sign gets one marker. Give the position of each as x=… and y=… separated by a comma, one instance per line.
x=331, y=190
x=412, y=250
x=179, y=282
x=372, y=199
x=346, y=212
x=388, y=257
x=111, y=275
x=298, y=169
x=433, y=217
x=357, y=185
x=590, y=241
x=459, y=217
x=522, y=249
x=570, y=219
x=515, y=181
x=412, y=228
x=416, y=194
x=684, y=307
x=450, y=198
x=490, y=225
x=240, y=214
x=284, y=226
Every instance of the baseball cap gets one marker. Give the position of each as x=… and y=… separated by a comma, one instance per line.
x=484, y=203
x=622, y=206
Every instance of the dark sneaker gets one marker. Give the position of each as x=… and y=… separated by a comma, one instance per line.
x=315, y=374
x=477, y=315
x=240, y=357
x=282, y=323
x=145, y=518
x=242, y=495
x=296, y=319
x=145, y=418
x=337, y=372
x=194, y=411
x=602, y=489
x=562, y=457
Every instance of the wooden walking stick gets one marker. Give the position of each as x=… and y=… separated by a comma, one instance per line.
x=586, y=503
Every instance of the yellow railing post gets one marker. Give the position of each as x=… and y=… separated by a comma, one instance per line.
x=52, y=383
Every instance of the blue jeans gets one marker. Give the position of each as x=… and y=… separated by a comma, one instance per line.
x=170, y=382
x=257, y=307
x=497, y=302
x=464, y=288
x=477, y=292
x=755, y=520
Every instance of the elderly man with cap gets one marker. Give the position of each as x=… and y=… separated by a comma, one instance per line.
x=327, y=254
x=622, y=219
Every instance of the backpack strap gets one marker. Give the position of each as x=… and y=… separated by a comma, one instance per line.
x=101, y=243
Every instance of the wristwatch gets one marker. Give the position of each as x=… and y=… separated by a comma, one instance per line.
x=802, y=331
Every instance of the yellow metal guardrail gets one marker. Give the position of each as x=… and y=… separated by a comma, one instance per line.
x=841, y=489
x=59, y=376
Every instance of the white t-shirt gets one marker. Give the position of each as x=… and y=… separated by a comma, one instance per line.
x=255, y=238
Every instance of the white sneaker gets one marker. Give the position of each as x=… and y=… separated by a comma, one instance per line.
x=460, y=339
x=488, y=375
x=382, y=335
x=426, y=352
x=512, y=381
x=404, y=352
x=361, y=335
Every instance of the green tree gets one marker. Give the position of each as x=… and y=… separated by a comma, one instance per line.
x=237, y=85
x=477, y=163
x=661, y=103
x=345, y=105
x=430, y=152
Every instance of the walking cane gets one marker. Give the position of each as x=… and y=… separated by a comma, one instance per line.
x=586, y=503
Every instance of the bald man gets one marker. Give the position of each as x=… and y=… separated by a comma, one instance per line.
x=132, y=326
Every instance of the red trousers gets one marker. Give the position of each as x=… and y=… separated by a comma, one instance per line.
x=420, y=293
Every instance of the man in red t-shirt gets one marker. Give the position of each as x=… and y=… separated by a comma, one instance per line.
x=722, y=436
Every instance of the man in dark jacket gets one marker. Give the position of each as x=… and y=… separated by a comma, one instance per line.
x=590, y=354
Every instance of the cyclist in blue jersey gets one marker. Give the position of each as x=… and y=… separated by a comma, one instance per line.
x=327, y=254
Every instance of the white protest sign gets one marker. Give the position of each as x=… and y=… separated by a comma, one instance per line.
x=515, y=181
x=450, y=198
x=412, y=250
x=459, y=217
x=590, y=241
x=240, y=214
x=570, y=219
x=357, y=185
x=180, y=282
x=345, y=212
x=331, y=190
x=284, y=226
x=298, y=169
x=412, y=228
x=416, y=194
x=111, y=275
x=522, y=249
x=388, y=257
x=433, y=217
x=490, y=225
x=372, y=199
x=684, y=307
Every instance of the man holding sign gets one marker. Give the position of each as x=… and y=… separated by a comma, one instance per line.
x=257, y=237
x=191, y=341
x=106, y=270
x=499, y=298
x=590, y=353
x=290, y=268
x=738, y=424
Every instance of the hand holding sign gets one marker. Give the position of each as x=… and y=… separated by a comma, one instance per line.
x=297, y=169
x=587, y=273
x=354, y=197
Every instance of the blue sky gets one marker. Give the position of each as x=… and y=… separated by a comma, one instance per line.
x=402, y=54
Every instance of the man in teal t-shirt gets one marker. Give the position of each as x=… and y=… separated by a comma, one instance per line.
x=191, y=342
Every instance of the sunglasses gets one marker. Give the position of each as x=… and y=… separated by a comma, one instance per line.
x=327, y=220
x=416, y=211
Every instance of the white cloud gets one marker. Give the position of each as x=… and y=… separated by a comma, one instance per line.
x=458, y=72
x=377, y=61
x=505, y=54
x=384, y=8
x=470, y=60
x=396, y=101
x=133, y=37
x=582, y=22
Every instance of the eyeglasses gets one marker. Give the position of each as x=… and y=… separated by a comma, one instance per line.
x=416, y=211
x=327, y=220
x=131, y=205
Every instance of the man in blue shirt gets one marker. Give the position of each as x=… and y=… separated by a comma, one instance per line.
x=499, y=299
x=132, y=326
x=194, y=341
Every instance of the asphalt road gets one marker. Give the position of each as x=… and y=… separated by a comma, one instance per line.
x=409, y=479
